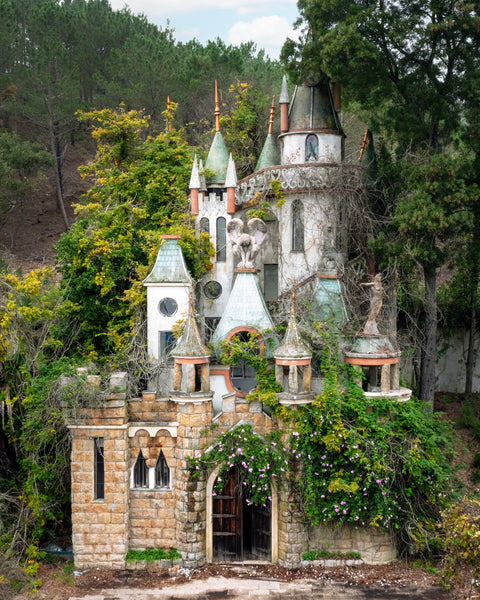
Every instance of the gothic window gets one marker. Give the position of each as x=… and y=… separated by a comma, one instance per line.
x=298, y=244
x=221, y=239
x=166, y=342
x=311, y=148
x=162, y=472
x=140, y=472
x=205, y=225
x=98, y=469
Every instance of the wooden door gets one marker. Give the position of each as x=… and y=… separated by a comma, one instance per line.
x=227, y=520
x=240, y=531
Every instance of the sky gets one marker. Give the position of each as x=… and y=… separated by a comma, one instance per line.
x=266, y=22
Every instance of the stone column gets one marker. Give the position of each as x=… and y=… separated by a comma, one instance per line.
x=385, y=379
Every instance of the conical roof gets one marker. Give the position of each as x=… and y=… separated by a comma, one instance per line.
x=312, y=108
x=190, y=344
x=327, y=301
x=217, y=159
x=246, y=307
x=270, y=156
x=292, y=345
x=170, y=265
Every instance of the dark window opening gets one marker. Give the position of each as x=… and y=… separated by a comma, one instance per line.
x=221, y=240
x=198, y=378
x=162, y=472
x=270, y=282
x=242, y=375
x=140, y=472
x=298, y=244
x=311, y=148
x=99, y=469
x=205, y=225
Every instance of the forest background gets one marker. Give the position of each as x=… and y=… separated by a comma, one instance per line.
x=411, y=75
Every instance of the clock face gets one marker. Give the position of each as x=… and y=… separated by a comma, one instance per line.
x=168, y=307
x=212, y=289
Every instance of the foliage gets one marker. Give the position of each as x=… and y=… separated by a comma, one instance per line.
x=372, y=463
x=149, y=555
x=315, y=554
x=461, y=527
x=236, y=350
x=261, y=462
x=138, y=193
x=20, y=161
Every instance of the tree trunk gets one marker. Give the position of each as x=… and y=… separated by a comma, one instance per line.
x=429, y=348
x=57, y=158
x=474, y=282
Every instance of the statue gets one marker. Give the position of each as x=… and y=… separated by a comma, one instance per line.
x=246, y=245
x=376, y=301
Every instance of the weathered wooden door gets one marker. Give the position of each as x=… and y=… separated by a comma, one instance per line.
x=240, y=531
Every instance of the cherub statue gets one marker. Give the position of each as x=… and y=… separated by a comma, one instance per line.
x=246, y=245
x=376, y=301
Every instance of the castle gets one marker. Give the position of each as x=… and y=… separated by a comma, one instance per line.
x=131, y=487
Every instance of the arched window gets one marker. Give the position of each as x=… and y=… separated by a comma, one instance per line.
x=205, y=225
x=162, y=472
x=221, y=239
x=140, y=472
x=311, y=148
x=298, y=244
x=242, y=375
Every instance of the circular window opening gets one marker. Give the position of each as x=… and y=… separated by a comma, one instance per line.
x=168, y=307
x=212, y=289
x=242, y=375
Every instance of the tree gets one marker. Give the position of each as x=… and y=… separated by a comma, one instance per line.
x=410, y=66
x=138, y=193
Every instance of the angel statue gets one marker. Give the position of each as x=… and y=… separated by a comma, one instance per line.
x=376, y=301
x=246, y=245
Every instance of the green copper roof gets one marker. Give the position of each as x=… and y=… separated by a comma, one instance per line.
x=169, y=266
x=312, y=108
x=292, y=346
x=217, y=159
x=245, y=308
x=190, y=344
x=269, y=157
x=327, y=302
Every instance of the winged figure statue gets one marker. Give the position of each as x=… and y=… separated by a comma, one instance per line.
x=246, y=245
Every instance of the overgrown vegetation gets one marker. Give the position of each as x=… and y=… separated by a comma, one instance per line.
x=150, y=555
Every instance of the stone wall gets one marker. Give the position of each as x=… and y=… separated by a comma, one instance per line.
x=374, y=546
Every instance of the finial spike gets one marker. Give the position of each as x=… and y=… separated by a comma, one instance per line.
x=272, y=112
x=363, y=145
x=292, y=309
x=217, y=109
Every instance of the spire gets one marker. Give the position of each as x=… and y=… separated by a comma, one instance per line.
x=203, y=184
x=195, y=177
x=190, y=344
x=170, y=265
x=269, y=156
x=231, y=177
x=284, y=101
x=292, y=346
x=217, y=159
x=312, y=107
x=217, y=109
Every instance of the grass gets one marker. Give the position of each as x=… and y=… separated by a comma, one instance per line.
x=150, y=555
x=315, y=554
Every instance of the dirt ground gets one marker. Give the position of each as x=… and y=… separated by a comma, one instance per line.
x=56, y=585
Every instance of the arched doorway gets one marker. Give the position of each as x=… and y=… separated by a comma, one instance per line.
x=240, y=531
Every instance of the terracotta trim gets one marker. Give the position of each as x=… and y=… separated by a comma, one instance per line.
x=292, y=361
x=170, y=236
x=225, y=371
x=366, y=362
x=191, y=361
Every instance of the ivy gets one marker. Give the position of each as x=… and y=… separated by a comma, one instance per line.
x=261, y=461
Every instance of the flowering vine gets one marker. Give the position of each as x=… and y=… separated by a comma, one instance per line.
x=261, y=461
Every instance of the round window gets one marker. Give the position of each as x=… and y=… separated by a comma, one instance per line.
x=212, y=289
x=168, y=307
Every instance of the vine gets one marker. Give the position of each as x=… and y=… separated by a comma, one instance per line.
x=260, y=461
